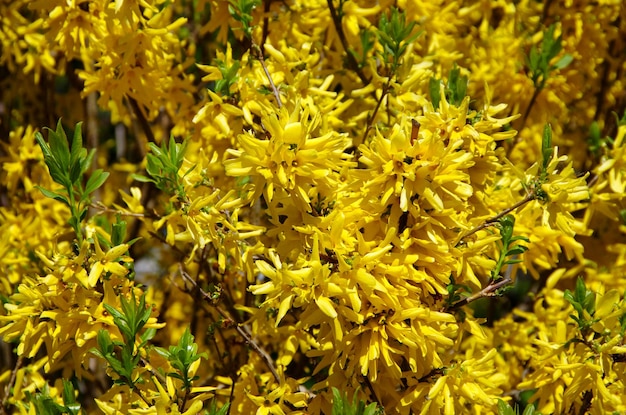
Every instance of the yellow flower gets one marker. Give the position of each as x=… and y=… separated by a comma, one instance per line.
x=107, y=262
x=290, y=159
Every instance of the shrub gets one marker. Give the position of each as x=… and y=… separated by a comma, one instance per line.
x=312, y=207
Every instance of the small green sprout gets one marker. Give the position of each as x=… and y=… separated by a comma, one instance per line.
x=343, y=406
x=163, y=165
x=455, y=89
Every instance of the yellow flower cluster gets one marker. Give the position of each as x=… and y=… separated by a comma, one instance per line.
x=421, y=204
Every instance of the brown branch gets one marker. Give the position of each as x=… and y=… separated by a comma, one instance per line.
x=492, y=220
x=354, y=65
x=266, y=21
x=488, y=291
x=256, y=50
x=370, y=119
x=101, y=207
x=241, y=329
x=143, y=121
x=9, y=385
x=147, y=189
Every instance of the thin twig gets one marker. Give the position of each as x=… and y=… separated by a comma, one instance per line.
x=370, y=119
x=147, y=189
x=529, y=196
x=242, y=330
x=266, y=21
x=148, y=366
x=488, y=291
x=103, y=208
x=531, y=104
x=259, y=55
x=143, y=121
x=354, y=65
x=232, y=392
x=9, y=385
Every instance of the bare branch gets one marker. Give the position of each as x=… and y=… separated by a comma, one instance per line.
x=256, y=50
x=494, y=219
x=488, y=291
x=241, y=329
x=354, y=65
x=10, y=383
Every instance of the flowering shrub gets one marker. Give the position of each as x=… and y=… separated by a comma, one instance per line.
x=312, y=207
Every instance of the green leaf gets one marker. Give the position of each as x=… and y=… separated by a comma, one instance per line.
x=504, y=408
x=434, y=87
x=564, y=61
x=54, y=195
x=59, y=146
x=69, y=398
x=77, y=153
x=142, y=179
x=546, y=146
x=148, y=335
x=86, y=160
x=338, y=403
x=96, y=180
x=530, y=410
x=57, y=172
x=214, y=411
x=118, y=232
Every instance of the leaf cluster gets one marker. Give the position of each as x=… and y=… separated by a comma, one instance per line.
x=181, y=357
x=44, y=404
x=455, y=89
x=163, y=164
x=506, y=409
x=538, y=60
x=394, y=35
x=343, y=406
x=455, y=291
x=597, y=144
x=123, y=357
x=368, y=42
x=241, y=11
x=584, y=302
x=547, y=152
x=229, y=77
x=68, y=166
x=510, y=249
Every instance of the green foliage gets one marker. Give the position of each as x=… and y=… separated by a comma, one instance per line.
x=455, y=292
x=538, y=60
x=229, y=77
x=343, y=406
x=509, y=249
x=214, y=411
x=394, y=35
x=241, y=11
x=123, y=357
x=181, y=357
x=597, y=144
x=68, y=167
x=584, y=302
x=506, y=409
x=163, y=164
x=45, y=405
x=455, y=89
x=368, y=41
x=547, y=150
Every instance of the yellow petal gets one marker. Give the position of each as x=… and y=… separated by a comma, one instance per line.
x=326, y=306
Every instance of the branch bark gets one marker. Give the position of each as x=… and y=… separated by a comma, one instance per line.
x=241, y=329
